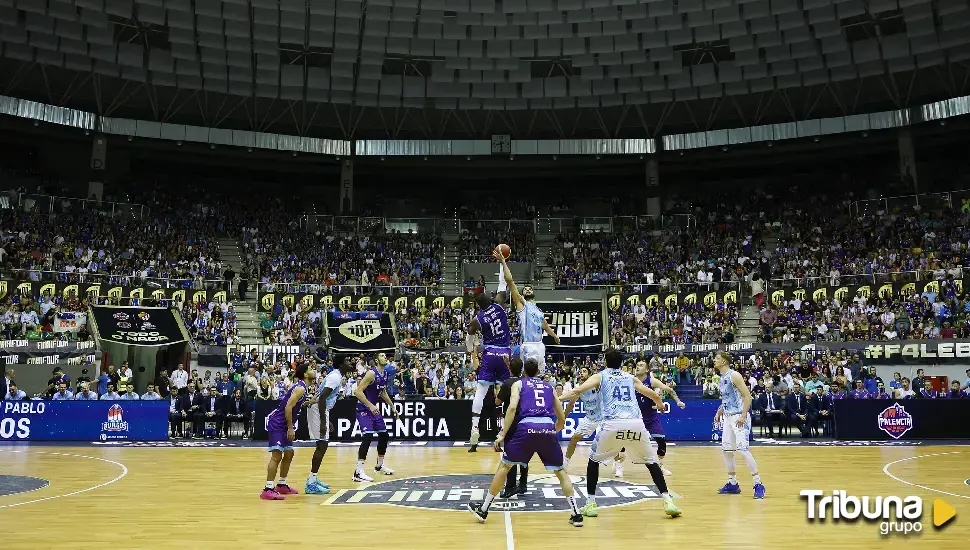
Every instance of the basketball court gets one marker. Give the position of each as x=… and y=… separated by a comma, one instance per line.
x=97, y=496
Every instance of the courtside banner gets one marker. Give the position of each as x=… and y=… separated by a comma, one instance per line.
x=909, y=419
x=137, y=326
x=425, y=420
x=83, y=420
x=360, y=331
x=693, y=423
x=579, y=324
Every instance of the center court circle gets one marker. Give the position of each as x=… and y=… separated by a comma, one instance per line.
x=454, y=491
x=12, y=485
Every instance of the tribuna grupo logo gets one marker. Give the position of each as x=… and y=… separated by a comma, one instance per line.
x=895, y=514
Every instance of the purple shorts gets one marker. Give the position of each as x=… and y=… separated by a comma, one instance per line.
x=370, y=422
x=494, y=369
x=534, y=438
x=653, y=425
x=278, y=440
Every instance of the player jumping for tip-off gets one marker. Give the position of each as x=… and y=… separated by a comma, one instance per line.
x=532, y=322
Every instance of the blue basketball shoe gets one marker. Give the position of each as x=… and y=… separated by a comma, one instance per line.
x=759, y=491
x=316, y=488
x=730, y=489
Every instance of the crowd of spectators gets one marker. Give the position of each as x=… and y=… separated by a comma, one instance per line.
x=928, y=315
x=682, y=324
x=479, y=238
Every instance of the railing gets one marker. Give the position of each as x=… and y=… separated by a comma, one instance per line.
x=613, y=224
x=648, y=288
x=358, y=290
x=60, y=205
x=858, y=279
x=112, y=279
x=512, y=226
x=370, y=224
x=926, y=201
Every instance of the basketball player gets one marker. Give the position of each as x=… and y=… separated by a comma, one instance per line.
x=622, y=426
x=318, y=421
x=537, y=413
x=589, y=423
x=651, y=418
x=734, y=416
x=492, y=323
x=281, y=426
x=532, y=322
x=503, y=398
x=373, y=387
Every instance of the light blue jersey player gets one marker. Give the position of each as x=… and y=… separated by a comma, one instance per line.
x=532, y=322
x=318, y=420
x=734, y=415
x=591, y=422
x=621, y=426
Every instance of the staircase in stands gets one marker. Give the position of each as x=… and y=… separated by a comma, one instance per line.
x=451, y=282
x=247, y=315
x=545, y=269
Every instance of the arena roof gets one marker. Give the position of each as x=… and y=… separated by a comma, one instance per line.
x=436, y=69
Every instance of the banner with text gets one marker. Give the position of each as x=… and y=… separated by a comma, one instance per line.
x=360, y=331
x=579, y=324
x=693, y=423
x=49, y=352
x=889, y=352
x=83, y=420
x=891, y=419
x=36, y=289
x=137, y=326
x=845, y=293
x=351, y=302
x=707, y=298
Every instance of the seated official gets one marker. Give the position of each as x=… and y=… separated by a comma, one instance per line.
x=85, y=394
x=130, y=394
x=14, y=393
x=772, y=408
x=110, y=395
x=150, y=394
x=62, y=393
x=210, y=410
x=798, y=410
x=820, y=410
x=179, y=406
x=236, y=409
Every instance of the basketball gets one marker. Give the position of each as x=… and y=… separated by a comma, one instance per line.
x=505, y=250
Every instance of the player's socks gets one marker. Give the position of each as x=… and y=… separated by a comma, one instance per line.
x=360, y=466
x=733, y=479
x=572, y=504
x=282, y=481
x=756, y=479
x=489, y=497
x=380, y=462
x=271, y=485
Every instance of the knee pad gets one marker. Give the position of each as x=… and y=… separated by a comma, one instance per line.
x=382, y=443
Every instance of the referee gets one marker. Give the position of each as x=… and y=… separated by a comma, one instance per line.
x=502, y=399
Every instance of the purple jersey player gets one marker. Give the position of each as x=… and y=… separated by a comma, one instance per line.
x=651, y=417
x=492, y=323
x=371, y=390
x=536, y=416
x=281, y=427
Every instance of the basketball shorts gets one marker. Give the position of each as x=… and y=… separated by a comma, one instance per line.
x=370, y=423
x=534, y=350
x=319, y=428
x=587, y=426
x=532, y=438
x=494, y=369
x=628, y=433
x=276, y=429
x=653, y=425
x=734, y=438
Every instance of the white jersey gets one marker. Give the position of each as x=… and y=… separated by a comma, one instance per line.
x=618, y=395
x=333, y=381
x=591, y=402
x=530, y=323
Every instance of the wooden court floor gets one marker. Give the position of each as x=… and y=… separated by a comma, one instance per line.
x=206, y=498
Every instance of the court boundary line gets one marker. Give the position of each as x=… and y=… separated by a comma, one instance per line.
x=885, y=470
x=509, y=536
x=124, y=472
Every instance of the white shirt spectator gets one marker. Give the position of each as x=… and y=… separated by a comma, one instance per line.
x=19, y=396
x=126, y=372
x=180, y=378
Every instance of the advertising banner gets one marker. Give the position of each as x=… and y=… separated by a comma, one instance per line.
x=36, y=289
x=83, y=420
x=845, y=293
x=890, y=419
x=70, y=321
x=429, y=420
x=350, y=302
x=693, y=423
x=46, y=352
x=360, y=331
x=137, y=326
x=707, y=298
x=579, y=324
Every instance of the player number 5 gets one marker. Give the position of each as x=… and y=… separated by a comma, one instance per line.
x=540, y=400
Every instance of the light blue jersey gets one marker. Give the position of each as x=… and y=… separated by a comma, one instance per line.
x=618, y=395
x=333, y=381
x=730, y=396
x=591, y=402
x=530, y=323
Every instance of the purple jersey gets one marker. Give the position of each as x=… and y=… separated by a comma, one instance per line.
x=494, y=322
x=647, y=410
x=537, y=399
x=374, y=391
x=277, y=418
